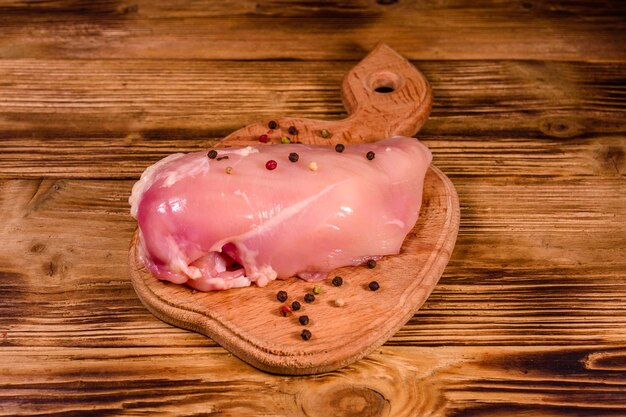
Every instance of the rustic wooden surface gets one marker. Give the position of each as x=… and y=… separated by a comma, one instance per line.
x=528, y=121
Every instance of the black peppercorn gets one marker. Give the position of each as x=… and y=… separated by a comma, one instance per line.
x=337, y=281
x=309, y=298
x=305, y=335
x=339, y=147
x=304, y=320
x=371, y=264
x=295, y=306
x=272, y=124
x=282, y=296
x=292, y=130
x=293, y=157
x=212, y=154
x=374, y=286
x=370, y=155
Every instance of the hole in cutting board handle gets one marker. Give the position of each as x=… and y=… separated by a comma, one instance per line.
x=385, y=82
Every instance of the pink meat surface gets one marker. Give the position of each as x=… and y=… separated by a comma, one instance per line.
x=215, y=230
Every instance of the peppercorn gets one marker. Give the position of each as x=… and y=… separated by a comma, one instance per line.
x=285, y=140
x=317, y=289
x=373, y=286
x=371, y=264
x=339, y=302
x=337, y=281
x=325, y=133
x=340, y=147
x=229, y=170
x=305, y=335
x=304, y=320
x=309, y=298
x=313, y=166
x=292, y=130
x=264, y=138
x=293, y=157
x=212, y=154
x=272, y=124
x=370, y=155
x=295, y=306
x=282, y=296
x=284, y=311
x=271, y=164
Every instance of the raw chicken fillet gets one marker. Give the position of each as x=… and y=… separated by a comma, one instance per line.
x=215, y=228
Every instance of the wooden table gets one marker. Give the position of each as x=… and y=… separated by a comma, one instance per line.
x=529, y=122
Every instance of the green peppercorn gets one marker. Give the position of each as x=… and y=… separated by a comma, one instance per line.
x=309, y=298
x=370, y=155
x=340, y=147
x=285, y=140
x=295, y=306
x=305, y=335
x=293, y=157
x=282, y=296
x=292, y=130
x=325, y=133
x=304, y=320
x=373, y=286
x=272, y=124
x=317, y=289
x=337, y=281
x=212, y=154
x=371, y=264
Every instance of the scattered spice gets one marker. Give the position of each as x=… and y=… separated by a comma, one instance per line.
x=337, y=281
x=229, y=170
x=304, y=320
x=293, y=157
x=222, y=157
x=373, y=286
x=282, y=296
x=264, y=138
x=295, y=306
x=325, y=133
x=317, y=289
x=271, y=164
x=305, y=335
x=285, y=310
x=292, y=130
x=285, y=140
x=371, y=264
x=309, y=298
x=340, y=147
x=370, y=155
x=313, y=166
x=339, y=302
x=212, y=154
x=272, y=124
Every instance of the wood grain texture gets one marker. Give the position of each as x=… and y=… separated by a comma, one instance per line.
x=112, y=119
x=251, y=30
x=527, y=121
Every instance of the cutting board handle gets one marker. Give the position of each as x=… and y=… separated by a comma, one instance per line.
x=385, y=95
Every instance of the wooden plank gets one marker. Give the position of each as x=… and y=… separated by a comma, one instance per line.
x=395, y=381
x=536, y=262
x=111, y=119
x=573, y=30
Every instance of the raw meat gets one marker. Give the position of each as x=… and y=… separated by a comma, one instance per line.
x=214, y=230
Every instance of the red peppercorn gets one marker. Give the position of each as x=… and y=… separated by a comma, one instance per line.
x=263, y=138
x=271, y=164
x=285, y=310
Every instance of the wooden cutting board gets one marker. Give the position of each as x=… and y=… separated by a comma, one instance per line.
x=385, y=96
